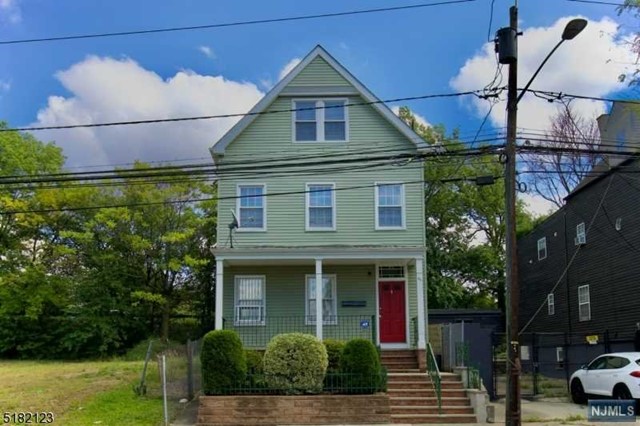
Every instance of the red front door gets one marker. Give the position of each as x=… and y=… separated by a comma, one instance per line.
x=392, y=312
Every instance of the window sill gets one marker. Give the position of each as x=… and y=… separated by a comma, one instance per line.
x=320, y=230
x=323, y=324
x=322, y=141
x=244, y=230
x=249, y=324
x=391, y=228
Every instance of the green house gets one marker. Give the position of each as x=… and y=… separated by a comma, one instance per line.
x=318, y=185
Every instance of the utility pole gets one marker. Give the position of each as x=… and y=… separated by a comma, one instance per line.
x=507, y=47
x=513, y=414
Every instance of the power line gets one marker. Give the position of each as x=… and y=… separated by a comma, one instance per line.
x=234, y=115
x=234, y=24
x=234, y=197
x=490, y=21
x=602, y=2
x=559, y=95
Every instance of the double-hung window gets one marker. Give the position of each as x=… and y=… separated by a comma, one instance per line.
x=581, y=236
x=584, y=303
x=252, y=211
x=249, y=300
x=322, y=120
x=551, y=304
x=329, y=299
x=321, y=207
x=542, y=248
x=389, y=206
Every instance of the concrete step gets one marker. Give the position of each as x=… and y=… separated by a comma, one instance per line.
x=446, y=393
x=403, y=370
x=430, y=409
x=424, y=384
x=398, y=352
x=433, y=418
x=399, y=365
x=398, y=357
x=427, y=401
x=413, y=382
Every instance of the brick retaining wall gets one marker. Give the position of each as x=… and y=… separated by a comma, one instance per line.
x=291, y=409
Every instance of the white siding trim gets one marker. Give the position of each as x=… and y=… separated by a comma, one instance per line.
x=307, y=227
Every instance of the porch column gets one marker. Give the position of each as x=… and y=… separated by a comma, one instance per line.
x=219, y=292
x=319, y=299
x=422, y=344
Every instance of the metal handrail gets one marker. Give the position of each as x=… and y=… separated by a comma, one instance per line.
x=434, y=372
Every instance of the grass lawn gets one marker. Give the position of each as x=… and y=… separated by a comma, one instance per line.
x=80, y=393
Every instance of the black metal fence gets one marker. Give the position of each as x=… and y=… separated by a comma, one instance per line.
x=342, y=327
x=549, y=359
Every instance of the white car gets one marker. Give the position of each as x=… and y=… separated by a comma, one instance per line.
x=614, y=375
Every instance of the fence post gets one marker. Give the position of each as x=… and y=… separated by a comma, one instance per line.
x=164, y=390
x=373, y=330
x=189, y=370
x=534, y=361
x=566, y=360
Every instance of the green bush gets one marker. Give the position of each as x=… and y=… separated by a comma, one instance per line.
x=295, y=363
x=254, y=361
x=334, y=354
x=224, y=363
x=360, y=364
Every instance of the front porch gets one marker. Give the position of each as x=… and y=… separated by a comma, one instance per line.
x=374, y=293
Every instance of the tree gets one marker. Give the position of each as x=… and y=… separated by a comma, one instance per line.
x=556, y=175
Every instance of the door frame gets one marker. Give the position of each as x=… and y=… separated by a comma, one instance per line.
x=407, y=321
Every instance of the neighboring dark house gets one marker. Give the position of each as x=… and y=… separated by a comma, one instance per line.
x=579, y=270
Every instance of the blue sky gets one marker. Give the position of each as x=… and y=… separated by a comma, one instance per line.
x=396, y=54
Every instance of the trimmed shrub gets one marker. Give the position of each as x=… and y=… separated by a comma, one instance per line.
x=224, y=363
x=295, y=363
x=361, y=363
x=254, y=361
x=334, y=354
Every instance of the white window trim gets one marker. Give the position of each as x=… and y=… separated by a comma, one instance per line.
x=551, y=304
x=334, y=289
x=543, y=239
x=319, y=119
x=264, y=207
x=559, y=350
x=308, y=206
x=377, y=205
x=581, y=236
x=407, y=320
x=235, y=301
x=588, y=303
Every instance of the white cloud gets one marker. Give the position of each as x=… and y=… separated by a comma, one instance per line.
x=10, y=12
x=207, y=51
x=588, y=65
x=288, y=67
x=105, y=89
x=420, y=119
x=536, y=205
x=5, y=86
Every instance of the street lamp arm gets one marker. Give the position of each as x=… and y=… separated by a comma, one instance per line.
x=535, y=74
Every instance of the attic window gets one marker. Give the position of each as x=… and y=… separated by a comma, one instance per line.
x=320, y=120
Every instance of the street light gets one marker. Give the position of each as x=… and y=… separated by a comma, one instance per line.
x=507, y=39
x=571, y=30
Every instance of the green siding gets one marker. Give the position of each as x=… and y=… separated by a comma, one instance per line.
x=285, y=301
x=319, y=73
x=270, y=136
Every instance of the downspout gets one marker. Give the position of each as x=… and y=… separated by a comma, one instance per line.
x=566, y=278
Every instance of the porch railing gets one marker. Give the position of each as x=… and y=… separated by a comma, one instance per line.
x=434, y=372
x=340, y=327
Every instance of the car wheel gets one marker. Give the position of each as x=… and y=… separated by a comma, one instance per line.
x=621, y=392
x=577, y=392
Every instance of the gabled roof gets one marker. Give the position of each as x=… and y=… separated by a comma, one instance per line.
x=219, y=147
